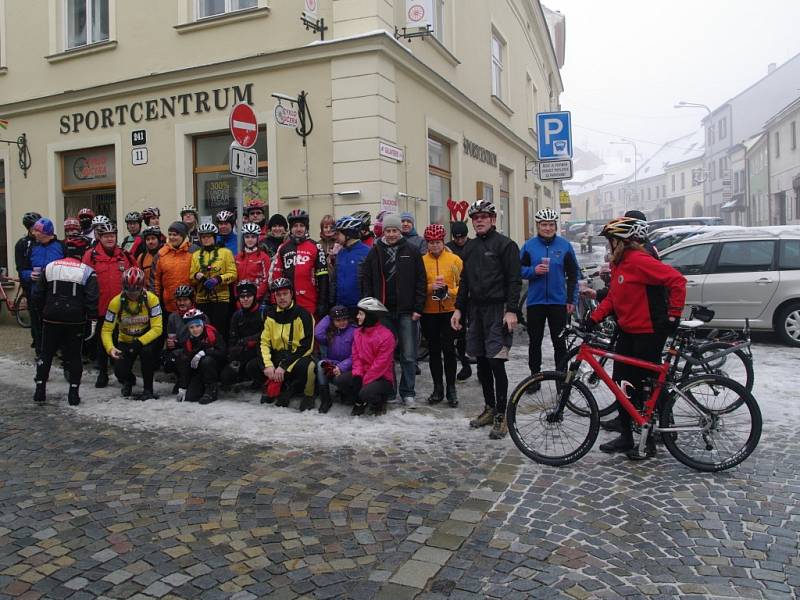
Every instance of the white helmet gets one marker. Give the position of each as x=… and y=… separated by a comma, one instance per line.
x=100, y=220
x=251, y=228
x=372, y=305
x=208, y=228
x=545, y=214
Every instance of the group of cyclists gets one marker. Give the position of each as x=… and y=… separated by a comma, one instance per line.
x=261, y=304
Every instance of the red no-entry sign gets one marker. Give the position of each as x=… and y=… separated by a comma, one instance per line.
x=244, y=126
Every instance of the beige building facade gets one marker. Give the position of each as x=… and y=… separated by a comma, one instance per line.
x=397, y=125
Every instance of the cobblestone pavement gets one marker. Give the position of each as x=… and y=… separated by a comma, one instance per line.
x=91, y=509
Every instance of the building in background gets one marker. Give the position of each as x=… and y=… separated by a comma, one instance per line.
x=783, y=162
x=396, y=124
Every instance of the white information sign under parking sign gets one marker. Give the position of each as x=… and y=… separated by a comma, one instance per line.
x=244, y=161
x=139, y=156
x=555, y=169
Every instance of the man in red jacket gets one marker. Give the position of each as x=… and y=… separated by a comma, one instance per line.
x=109, y=262
x=302, y=261
x=252, y=263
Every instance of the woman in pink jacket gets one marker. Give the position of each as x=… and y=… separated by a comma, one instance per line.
x=371, y=381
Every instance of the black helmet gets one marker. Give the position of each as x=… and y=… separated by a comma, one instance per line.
x=339, y=312
x=246, y=288
x=184, y=291
x=281, y=283
x=29, y=218
x=364, y=217
x=133, y=217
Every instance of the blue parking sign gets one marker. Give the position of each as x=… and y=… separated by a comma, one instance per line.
x=555, y=135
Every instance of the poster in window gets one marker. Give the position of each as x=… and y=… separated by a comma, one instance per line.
x=220, y=194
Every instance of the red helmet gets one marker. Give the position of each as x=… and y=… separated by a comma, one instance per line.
x=434, y=232
x=133, y=280
x=254, y=205
x=71, y=224
x=86, y=213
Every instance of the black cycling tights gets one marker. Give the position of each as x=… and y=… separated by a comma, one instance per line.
x=494, y=381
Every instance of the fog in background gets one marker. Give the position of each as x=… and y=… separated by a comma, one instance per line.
x=629, y=61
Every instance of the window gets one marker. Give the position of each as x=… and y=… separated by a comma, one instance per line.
x=790, y=255
x=722, y=168
x=498, y=58
x=711, y=135
x=212, y=8
x=683, y=180
x=793, y=134
x=777, y=144
x=504, y=202
x=745, y=256
x=439, y=177
x=690, y=260
x=86, y=22
x=438, y=20
x=2, y=37
x=3, y=231
x=713, y=170
x=722, y=128
x=673, y=182
x=215, y=189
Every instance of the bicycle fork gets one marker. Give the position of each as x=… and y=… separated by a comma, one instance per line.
x=563, y=393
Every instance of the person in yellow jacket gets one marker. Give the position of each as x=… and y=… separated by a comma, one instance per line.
x=213, y=270
x=135, y=316
x=286, y=343
x=443, y=272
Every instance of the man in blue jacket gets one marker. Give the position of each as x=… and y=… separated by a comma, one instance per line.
x=551, y=268
x=46, y=250
x=347, y=289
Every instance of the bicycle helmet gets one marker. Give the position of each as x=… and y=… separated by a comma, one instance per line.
x=100, y=220
x=339, y=312
x=133, y=217
x=482, y=207
x=372, y=305
x=297, y=214
x=150, y=231
x=364, y=217
x=106, y=226
x=251, y=229
x=188, y=209
x=434, y=232
x=194, y=314
x=152, y=211
x=254, y=205
x=225, y=216
x=72, y=224
x=133, y=280
x=29, y=219
x=184, y=291
x=281, y=283
x=207, y=229
x=545, y=214
x=246, y=288
x=85, y=213
x=350, y=226
x=626, y=228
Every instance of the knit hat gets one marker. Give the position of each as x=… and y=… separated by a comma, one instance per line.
x=44, y=226
x=459, y=228
x=278, y=219
x=180, y=228
x=407, y=216
x=636, y=214
x=391, y=220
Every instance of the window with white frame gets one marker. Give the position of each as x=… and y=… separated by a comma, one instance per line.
x=86, y=21
x=213, y=8
x=793, y=134
x=498, y=61
x=439, y=177
x=504, y=201
x=439, y=20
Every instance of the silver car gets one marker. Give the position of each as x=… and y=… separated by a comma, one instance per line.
x=752, y=273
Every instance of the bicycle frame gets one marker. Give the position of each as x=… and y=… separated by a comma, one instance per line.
x=588, y=353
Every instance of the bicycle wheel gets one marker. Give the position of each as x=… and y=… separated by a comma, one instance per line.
x=22, y=314
x=736, y=365
x=603, y=396
x=544, y=437
x=716, y=436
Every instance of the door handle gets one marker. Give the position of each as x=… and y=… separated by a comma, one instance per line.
x=690, y=283
x=763, y=280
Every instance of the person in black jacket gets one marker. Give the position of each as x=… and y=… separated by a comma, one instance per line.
x=66, y=296
x=22, y=256
x=201, y=360
x=394, y=273
x=489, y=292
x=247, y=324
x=458, y=246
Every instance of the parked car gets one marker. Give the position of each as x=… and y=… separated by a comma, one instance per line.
x=659, y=223
x=751, y=273
x=665, y=237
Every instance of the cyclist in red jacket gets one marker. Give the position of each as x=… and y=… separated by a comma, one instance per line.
x=302, y=261
x=252, y=263
x=647, y=297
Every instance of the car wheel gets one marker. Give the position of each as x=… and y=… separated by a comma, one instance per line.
x=787, y=324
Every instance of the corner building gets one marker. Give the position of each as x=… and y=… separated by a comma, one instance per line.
x=396, y=124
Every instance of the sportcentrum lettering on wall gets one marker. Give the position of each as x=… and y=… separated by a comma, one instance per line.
x=157, y=108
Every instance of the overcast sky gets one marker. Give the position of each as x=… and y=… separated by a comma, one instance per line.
x=629, y=61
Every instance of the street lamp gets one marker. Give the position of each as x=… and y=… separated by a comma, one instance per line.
x=683, y=104
x=627, y=142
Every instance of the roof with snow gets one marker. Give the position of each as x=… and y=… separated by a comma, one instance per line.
x=673, y=152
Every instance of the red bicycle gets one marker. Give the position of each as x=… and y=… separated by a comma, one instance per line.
x=708, y=422
x=19, y=305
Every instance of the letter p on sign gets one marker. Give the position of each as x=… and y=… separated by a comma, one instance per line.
x=555, y=135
